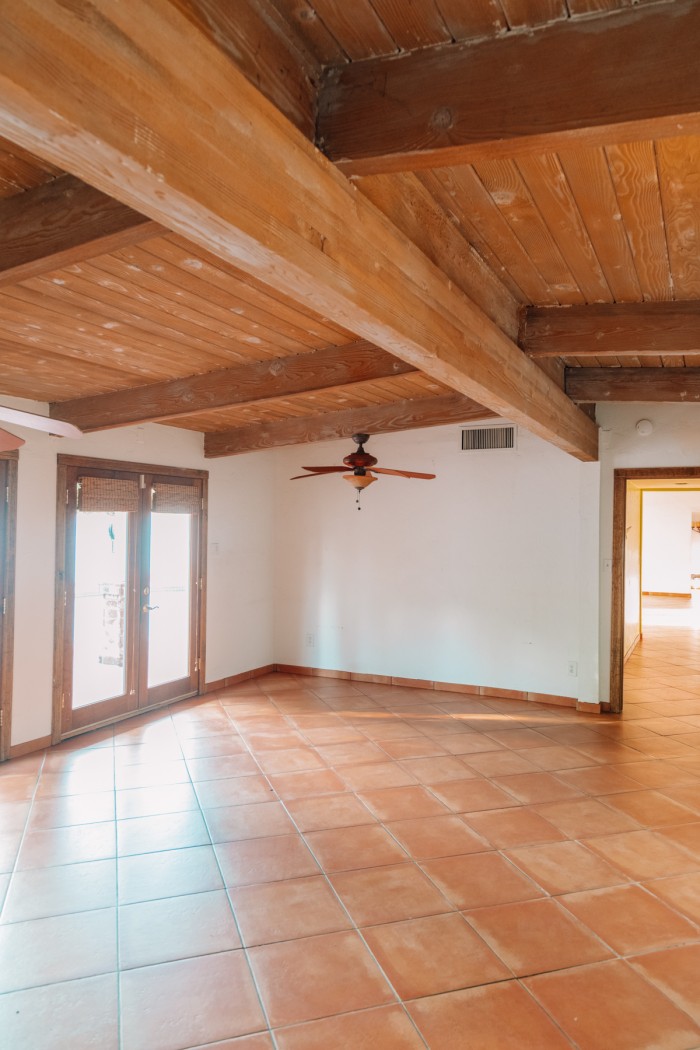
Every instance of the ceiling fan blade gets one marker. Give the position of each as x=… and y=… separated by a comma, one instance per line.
x=320, y=470
x=9, y=442
x=401, y=473
x=34, y=421
x=326, y=470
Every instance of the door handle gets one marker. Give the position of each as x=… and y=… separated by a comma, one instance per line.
x=149, y=608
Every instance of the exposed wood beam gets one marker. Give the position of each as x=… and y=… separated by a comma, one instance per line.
x=63, y=222
x=96, y=96
x=379, y=419
x=645, y=385
x=613, y=330
x=613, y=78
x=257, y=381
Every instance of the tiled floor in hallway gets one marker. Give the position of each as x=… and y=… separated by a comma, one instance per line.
x=311, y=864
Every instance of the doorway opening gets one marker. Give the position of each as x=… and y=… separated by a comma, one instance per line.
x=655, y=641
x=129, y=590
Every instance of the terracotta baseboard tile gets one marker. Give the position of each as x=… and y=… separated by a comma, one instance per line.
x=236, y=679
x=312, y=672
x=552, y=698
x=503, y=694
x=294, y=669
x=455, y=687
x=492, y=692
x=29, y=746
x=413, y=683
x=321, y=672
x=212, y=687
x=245, y=676
x=374, y=679
x=591, y=709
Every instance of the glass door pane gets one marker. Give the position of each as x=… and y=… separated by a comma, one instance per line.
x=100, y=607
x=169, y=602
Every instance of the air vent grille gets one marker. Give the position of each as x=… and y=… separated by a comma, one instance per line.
x=488, y=439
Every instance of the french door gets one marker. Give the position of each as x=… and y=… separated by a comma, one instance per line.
x=132, y=591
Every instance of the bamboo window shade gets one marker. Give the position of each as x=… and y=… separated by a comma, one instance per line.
x=175, y=499
x=108, y=494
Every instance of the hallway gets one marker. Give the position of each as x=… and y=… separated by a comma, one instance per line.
x=316, y=864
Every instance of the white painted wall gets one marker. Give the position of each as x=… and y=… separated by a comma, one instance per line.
x=240, y=592
x=497, y=573
x=666, y=544
x=486, y=576
x=674, y=442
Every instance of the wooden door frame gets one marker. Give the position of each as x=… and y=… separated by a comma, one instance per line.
x=7, y=620
x=65, y=463
x=617, y=616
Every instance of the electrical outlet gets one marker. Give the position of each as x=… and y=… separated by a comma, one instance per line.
x=572, y=668
x=310, y=640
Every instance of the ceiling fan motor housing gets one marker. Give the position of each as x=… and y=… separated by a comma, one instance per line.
x=360, y=460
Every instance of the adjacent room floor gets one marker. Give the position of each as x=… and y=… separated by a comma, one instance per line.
x=312, y=864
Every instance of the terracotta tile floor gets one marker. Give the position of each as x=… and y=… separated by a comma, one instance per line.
x=307, y=864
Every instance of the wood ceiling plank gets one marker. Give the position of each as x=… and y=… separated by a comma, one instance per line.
x=60, y=222
x=37, y=316
x=89, y=346
x=523, y=14
x=383, y=419
x=414, y=210
x=613, y=330
x=462, y=191
x=187, y=285
x=439, y=185
x=223, y=279
x=80, y=290
x=257, y=381
x=588, y=175
x=204, y=318
x=679, y=163
x=356, y=26
x=114, y=275
x=267, y=49
x=315, y=34
x=413, y=25
x=71, y=294
x=590, y=82
x=26, y=372
x=502, y=180
x=550, y=190
x=633, y=170
x=589, y=7
x=82, y=93
x=644, y=385
x=478, y=18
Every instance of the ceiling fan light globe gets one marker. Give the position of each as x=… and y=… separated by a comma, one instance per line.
x=359, y=481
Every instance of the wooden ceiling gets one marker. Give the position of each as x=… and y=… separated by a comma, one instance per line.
x=472, y=252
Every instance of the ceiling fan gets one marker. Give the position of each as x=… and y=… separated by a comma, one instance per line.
x=9, y=442
x=363, y=468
